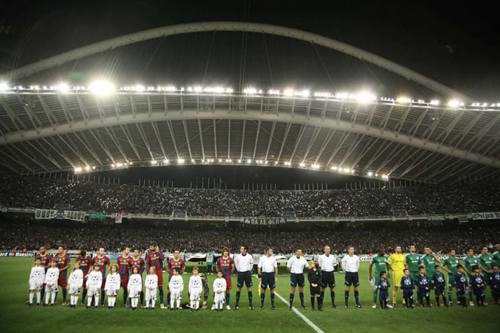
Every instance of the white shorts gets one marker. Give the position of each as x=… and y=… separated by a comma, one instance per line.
x=49, y=288
x=73, y=290
x=134, y=292
x=111, y=292
x=195, y=295
x=175, y=293
x=93, y=291
x=219, y=297
x=35, y=285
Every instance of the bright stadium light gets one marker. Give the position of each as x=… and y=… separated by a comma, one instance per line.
x=302, y=165
x=249, y=161
x=289, y=92
x=365, y=97
x=119, y=165
x=287, y=163
x=250, y=91
x=370, y=174
x=385, y=177
x=454, y=103
x=220, y=160
x=181, y=161
x=62, y=87
x=78, y=169
x=239, y=161
x=166, y=161
x=403, y=100
x=154, y=162
x=435, y=102
x=88, y=168
x=101, y=87
x=4, y=86
x=334, y=168
x=273, y=92
x=322, y=94
x=342, y=95
x=315, y=166
x=228, y=160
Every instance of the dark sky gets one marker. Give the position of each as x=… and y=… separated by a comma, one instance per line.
x=455, y=44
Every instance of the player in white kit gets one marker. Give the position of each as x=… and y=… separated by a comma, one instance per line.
x=37, y=277
x=75, y=284
x=195, y=289
x=175, y=286
x=134, y=287
x=51, y=278
x=94, y=284
x=220, y=286
x=112, y=286
x=327, y=262
x=151, y=286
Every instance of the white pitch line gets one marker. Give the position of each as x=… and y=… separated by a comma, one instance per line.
x=298, y=313
x=301, y=316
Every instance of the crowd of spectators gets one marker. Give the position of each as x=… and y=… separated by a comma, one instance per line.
x=30, y=234
x=31, y=192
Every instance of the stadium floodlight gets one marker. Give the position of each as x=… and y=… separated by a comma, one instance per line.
x=455, y=103
x=101, y=87
x=342, y=95
x=93, y=167
x=365, y=97
x=154, y=162
x=130, y=163
x=275, y=92
x=220, y=160
x=288, y=92
x=228, y=160
x=78, y=169
x=229, y=90
x=287, y=163
x=334, y=168
x=249, y=161
x=304, y=93
x=62, y=87
x=239, y=161
x=302, y=165
x=113, y=166
x=4, y=86
x=403, y=100
x=166, y=161
x=369, y=173
x=322, y=94
x=139, y=88
x=119, y=165
x=276, y=162
x=435, y=102
x=181, y=161
x=385, y=177
x=88, y=168
x=250, y=91
x=198, y=89
x=315, y=166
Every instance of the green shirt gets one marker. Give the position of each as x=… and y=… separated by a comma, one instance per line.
x=451, y=264
x=430, y=264
x=471, y=263
x=413, y=261
x=379, y=264
x=496, y=258
x=486, y=261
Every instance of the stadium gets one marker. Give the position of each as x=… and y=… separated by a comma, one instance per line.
x=247, y=168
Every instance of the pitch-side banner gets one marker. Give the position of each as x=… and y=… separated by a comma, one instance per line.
x=486, y=216
x=50, y=214
x=265, y=220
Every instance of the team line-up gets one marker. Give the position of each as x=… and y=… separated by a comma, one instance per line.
x=96, y=278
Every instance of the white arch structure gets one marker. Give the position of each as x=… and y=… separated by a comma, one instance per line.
x=186, y=28
x=190, y=114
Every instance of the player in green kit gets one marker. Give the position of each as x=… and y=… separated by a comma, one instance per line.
x=378, y=265
x=412, y=263
x=471, y=262
x=486, y=264
x=496, y=256
x=450, y=265
x=429, y=260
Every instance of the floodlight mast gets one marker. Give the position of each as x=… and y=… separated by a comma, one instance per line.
x=186, y=28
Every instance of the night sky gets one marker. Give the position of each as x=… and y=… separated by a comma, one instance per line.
x=455, y=44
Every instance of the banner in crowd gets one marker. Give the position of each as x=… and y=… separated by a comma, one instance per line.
x=50, y=214
x=265, y=220
x=485, y=216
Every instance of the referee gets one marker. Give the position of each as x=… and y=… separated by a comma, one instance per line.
x=267, y=269
x=296, y=265
x=327, y=263
x=244, y=265
x=350, y=265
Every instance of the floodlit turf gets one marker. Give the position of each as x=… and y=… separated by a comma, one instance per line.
x=16, y=316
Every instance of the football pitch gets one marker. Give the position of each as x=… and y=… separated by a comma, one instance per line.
x=16, y=316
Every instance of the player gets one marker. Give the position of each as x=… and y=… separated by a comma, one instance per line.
x=378, y=265
x=154, y=258
x=495, y=285
x=112, y=286
x=461, y=285
x=471, y=262
x=413, y=262
x=439, y=286
x=429, y=260
x=175, y=286
x=195, y=289
x=226, y=265
x=396, y=262
x=151, y=287
x=210, y=262
x=45, y=258
x=51, y=278
x=383, y=289
x=37, y=277
x=137, y=261
x=327, y=262
x=75, y=284
x=450, y=265
x=219, y=291
x=244, y=266
x=62, y=259
x=478, y=285
x=486, y=264
x=350, y=265
x=423, y=287
x=85, y=263
x=296, y=265
x=496, y=256
x=267, y=270
x=124, y=263
x=314, y=277
x=134, y=287
x=94, y=285
x=102, y=261
x=407, y=285
x=175, y=263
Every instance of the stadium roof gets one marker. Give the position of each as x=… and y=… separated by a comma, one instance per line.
x=85, y=129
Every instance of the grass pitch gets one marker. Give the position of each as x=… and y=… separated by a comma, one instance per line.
x=16, y=316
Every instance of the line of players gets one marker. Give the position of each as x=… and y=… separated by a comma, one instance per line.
x=425, y=272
